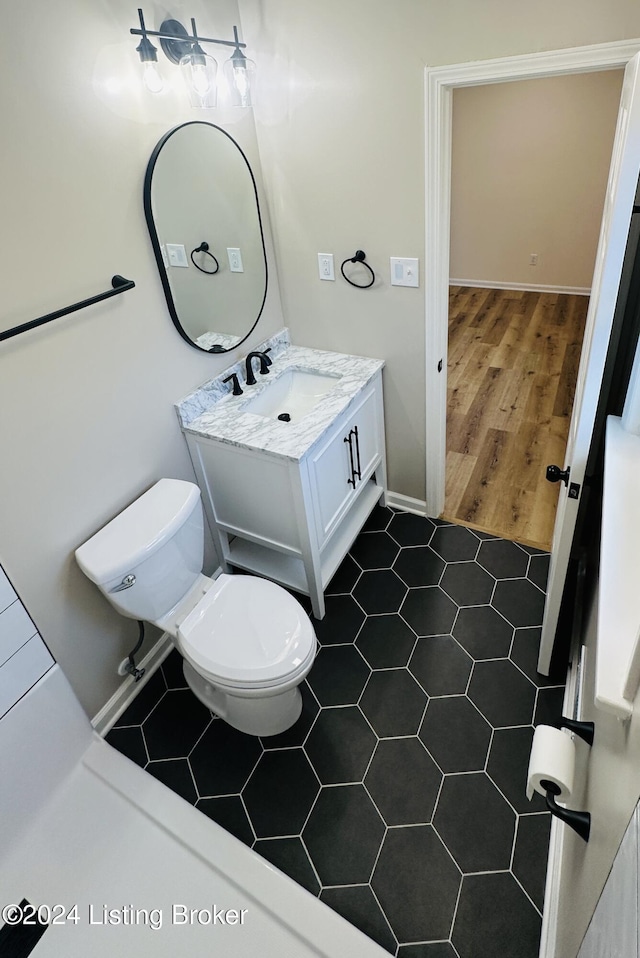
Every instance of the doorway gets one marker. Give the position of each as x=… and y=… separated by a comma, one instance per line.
x=529, y=170
x=440, y=84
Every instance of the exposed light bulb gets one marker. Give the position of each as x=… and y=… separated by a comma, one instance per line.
x=240, y=76
x=199, y=79
x=151, y=77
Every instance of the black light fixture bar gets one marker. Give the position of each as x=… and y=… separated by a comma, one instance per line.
x=136, y=31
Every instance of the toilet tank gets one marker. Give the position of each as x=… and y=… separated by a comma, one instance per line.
x=159, y=539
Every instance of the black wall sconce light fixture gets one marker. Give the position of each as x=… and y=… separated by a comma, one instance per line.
x=198, y=68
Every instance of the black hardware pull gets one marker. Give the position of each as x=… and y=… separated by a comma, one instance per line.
x=352, y=480
x=357, y=471
x=555, y=474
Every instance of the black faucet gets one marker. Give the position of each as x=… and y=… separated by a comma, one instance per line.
x=265, y=362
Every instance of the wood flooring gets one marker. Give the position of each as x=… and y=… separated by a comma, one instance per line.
x=512, y=368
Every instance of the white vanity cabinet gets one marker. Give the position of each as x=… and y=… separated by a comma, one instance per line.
x=290, y=519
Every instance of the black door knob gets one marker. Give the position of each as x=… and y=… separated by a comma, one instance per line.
x=555, y=474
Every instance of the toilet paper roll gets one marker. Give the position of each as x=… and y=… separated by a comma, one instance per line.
x=553, y=758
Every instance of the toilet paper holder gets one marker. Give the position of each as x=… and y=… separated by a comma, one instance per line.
x=580, y=822
x=584, y=730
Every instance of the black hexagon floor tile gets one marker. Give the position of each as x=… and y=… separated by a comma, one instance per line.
x=378, y=519
x=271, y=788
x=338, y=675
x=386, y=641
x=176, y=775
x=403, y=781
x=411, y=530
x=419, y=566
x=358, y=905
x=147, y=698
x=440, y=665
x=280, y=793
x=428, y=949
x=290, y=856
x=416, y=881
x=340, y=745
x=241, y=753
x=129, y=741
x=375, y=551
x=524, y=652
x=519, y=601
x=456, y=734
x=345, y=578
x=475, y=823
x=343, y=835
x=483, y=632
x=429, y=611
x=503, y=559
x=393, y=702
x=230, y=813
x=380, y=592
x=175, y=724
x=531, y=869
x=502, y=693
x=342, y=621
x=495, y=917
x=467, y=583
x=455, y=543
x=539, y=570
x=549, y=706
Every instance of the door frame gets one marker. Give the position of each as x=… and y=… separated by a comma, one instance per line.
x=440, y=82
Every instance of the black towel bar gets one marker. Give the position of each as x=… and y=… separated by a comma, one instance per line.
x=119, y=284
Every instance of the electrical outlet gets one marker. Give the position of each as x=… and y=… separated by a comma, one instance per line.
x=325, y=266
x=235, y=260
x=533, y=259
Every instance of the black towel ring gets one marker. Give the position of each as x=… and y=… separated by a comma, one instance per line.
x=359, y=257
x=204, y=248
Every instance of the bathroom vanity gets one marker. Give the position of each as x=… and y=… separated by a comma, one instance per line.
x=286, y=498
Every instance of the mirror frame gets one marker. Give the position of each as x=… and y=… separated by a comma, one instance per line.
x=155, y=240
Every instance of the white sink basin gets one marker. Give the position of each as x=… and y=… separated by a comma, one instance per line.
x=294, y=393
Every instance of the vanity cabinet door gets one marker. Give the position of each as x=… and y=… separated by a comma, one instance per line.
x=353, y=447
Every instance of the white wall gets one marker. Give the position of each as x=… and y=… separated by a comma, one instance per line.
x=341, y=132
x=87, y=422
x=529, y=170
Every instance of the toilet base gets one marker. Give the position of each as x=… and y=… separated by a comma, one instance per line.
x=253, y=714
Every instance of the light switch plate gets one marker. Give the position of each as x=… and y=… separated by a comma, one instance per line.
x=177, y=255
x=404, y=272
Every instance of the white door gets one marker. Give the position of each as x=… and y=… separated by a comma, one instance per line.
x=618, y=207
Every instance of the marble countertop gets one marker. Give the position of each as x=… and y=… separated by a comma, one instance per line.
x=213, y=412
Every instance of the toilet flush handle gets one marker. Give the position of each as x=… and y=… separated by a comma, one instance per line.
x=126, y=583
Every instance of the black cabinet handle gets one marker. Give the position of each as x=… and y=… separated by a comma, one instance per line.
x=352, y=480
x=357, y=471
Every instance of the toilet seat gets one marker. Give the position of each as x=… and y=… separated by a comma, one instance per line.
x=247, y=632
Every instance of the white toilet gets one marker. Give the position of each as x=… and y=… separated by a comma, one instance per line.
x=246, y=643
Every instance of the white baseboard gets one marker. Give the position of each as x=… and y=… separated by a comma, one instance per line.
x=129, y=688
x=397, y=501
x=525, y=287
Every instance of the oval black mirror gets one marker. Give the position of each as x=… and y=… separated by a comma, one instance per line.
x=203, y=214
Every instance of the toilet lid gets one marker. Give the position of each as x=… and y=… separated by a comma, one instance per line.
x=247, y=630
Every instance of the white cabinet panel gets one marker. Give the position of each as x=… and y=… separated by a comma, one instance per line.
x=7, y=594
x=352, y=448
